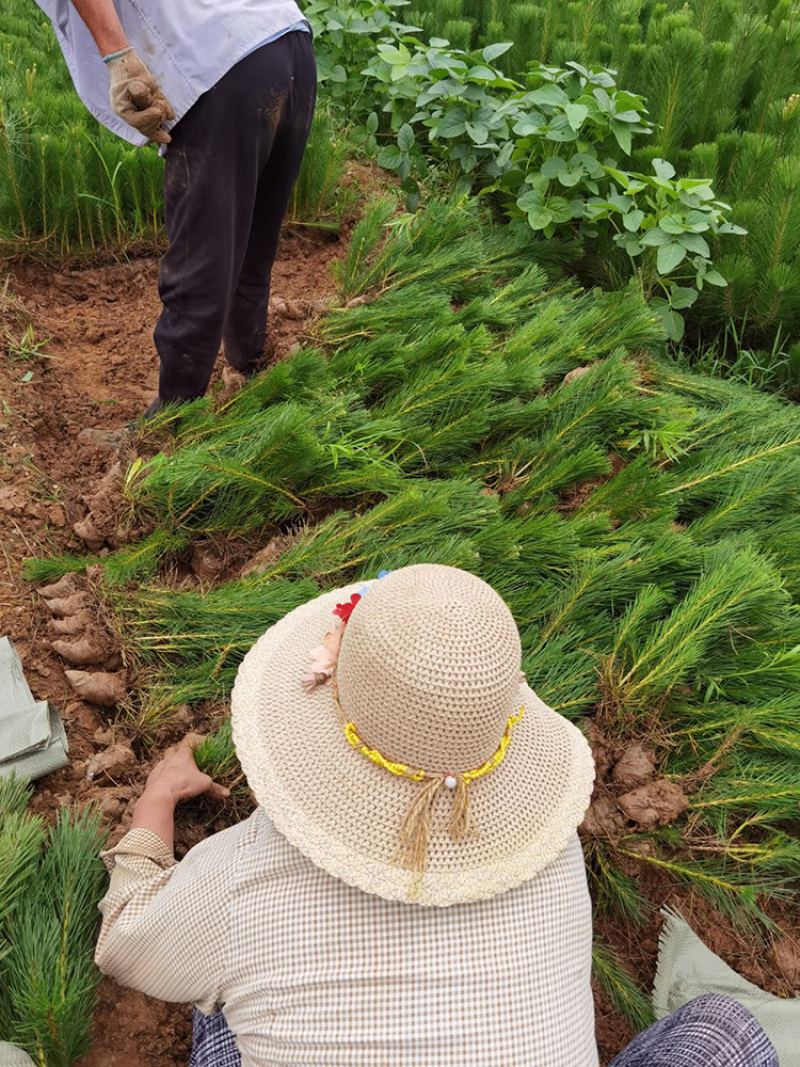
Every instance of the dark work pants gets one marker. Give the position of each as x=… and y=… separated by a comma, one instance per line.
x=229, y=172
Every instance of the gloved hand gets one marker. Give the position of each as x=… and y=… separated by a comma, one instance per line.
x=137, y=98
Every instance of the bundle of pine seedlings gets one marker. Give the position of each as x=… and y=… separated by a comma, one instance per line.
x=471, y=408
x=51, y=881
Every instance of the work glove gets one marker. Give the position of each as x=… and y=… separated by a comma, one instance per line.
x=136, y=96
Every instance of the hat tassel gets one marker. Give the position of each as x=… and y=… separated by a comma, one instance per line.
x=417, y=826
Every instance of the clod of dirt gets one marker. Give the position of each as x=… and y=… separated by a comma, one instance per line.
x=89, y=533
x=56, y=516
x=233, y=382
x=100, y=687
x=603, y=819
x=266, y=556
x=208, y=562
x=64, y=587
x=86, y=651
x=578, y=372
x=104, y=505
x=112, y=763
x=73, y=625
x=70, y=605
x=287, y=309
x=91, y=435
x=636, y=766
x=604, y=751
x=653, y=805
x=113, y=801
x=786, y=956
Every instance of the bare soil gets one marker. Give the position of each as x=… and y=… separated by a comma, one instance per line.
x=100, y=373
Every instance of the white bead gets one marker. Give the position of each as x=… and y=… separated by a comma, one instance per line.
x=450, y=782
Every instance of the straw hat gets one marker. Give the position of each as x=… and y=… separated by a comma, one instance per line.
x=425, y=769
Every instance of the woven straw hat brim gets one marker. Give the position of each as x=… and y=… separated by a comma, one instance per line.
x=344, y=812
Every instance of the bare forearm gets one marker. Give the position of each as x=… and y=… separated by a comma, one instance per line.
x=103, y=23
x=155, y=811
x=174, y=779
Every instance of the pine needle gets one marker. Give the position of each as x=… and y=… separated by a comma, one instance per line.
x=620, y=987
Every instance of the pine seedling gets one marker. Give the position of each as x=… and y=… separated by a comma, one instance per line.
x=216, y=755
x=49, y=975
x=43, y=571
x=621, y=988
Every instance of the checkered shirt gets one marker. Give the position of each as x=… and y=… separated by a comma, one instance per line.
x=311, y=972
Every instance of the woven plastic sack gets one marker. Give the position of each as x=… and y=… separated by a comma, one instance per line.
x=11, y=1056
x=688, y=969
x=32, y=737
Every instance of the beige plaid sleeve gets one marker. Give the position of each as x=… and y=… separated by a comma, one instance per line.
x=165, y=924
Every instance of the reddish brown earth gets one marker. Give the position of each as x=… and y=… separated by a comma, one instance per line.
x=101, y=373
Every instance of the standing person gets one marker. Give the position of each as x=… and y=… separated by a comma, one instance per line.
x=227, y=88
x=410, y=891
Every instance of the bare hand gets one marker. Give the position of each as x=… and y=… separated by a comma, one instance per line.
x=177, y=775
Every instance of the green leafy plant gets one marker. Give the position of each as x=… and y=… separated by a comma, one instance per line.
x=348, y=32
x=549, y=152
x=664, y=224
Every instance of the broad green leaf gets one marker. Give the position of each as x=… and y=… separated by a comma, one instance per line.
x=530, y=200
x=493, y=51
x=372, y=122
x=672, y=224
x=548, y=96
x=482, y=74
x=693, y=242
x=669, y=256
x=405, y=138
x=553, y=166
x=682, y=296
x=570, y=178
x=630, y=243
x=697, y=221
x=674, y=325
x=713, y=277
x=622, y=135
x=655, y=238
x=559, y=208
x=478, y=132
x=538, y=218
x=619, y=176
x=576, y=115
x=633, y=220
x=390, y=157
x=453, y=123
x=663, y=169
x=560, y=130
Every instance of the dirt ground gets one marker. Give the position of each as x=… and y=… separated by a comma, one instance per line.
x=100, y=373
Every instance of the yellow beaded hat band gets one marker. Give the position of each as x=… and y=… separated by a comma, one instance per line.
x=417, y=826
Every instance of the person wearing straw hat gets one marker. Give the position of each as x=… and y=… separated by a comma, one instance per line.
x=410, y=891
